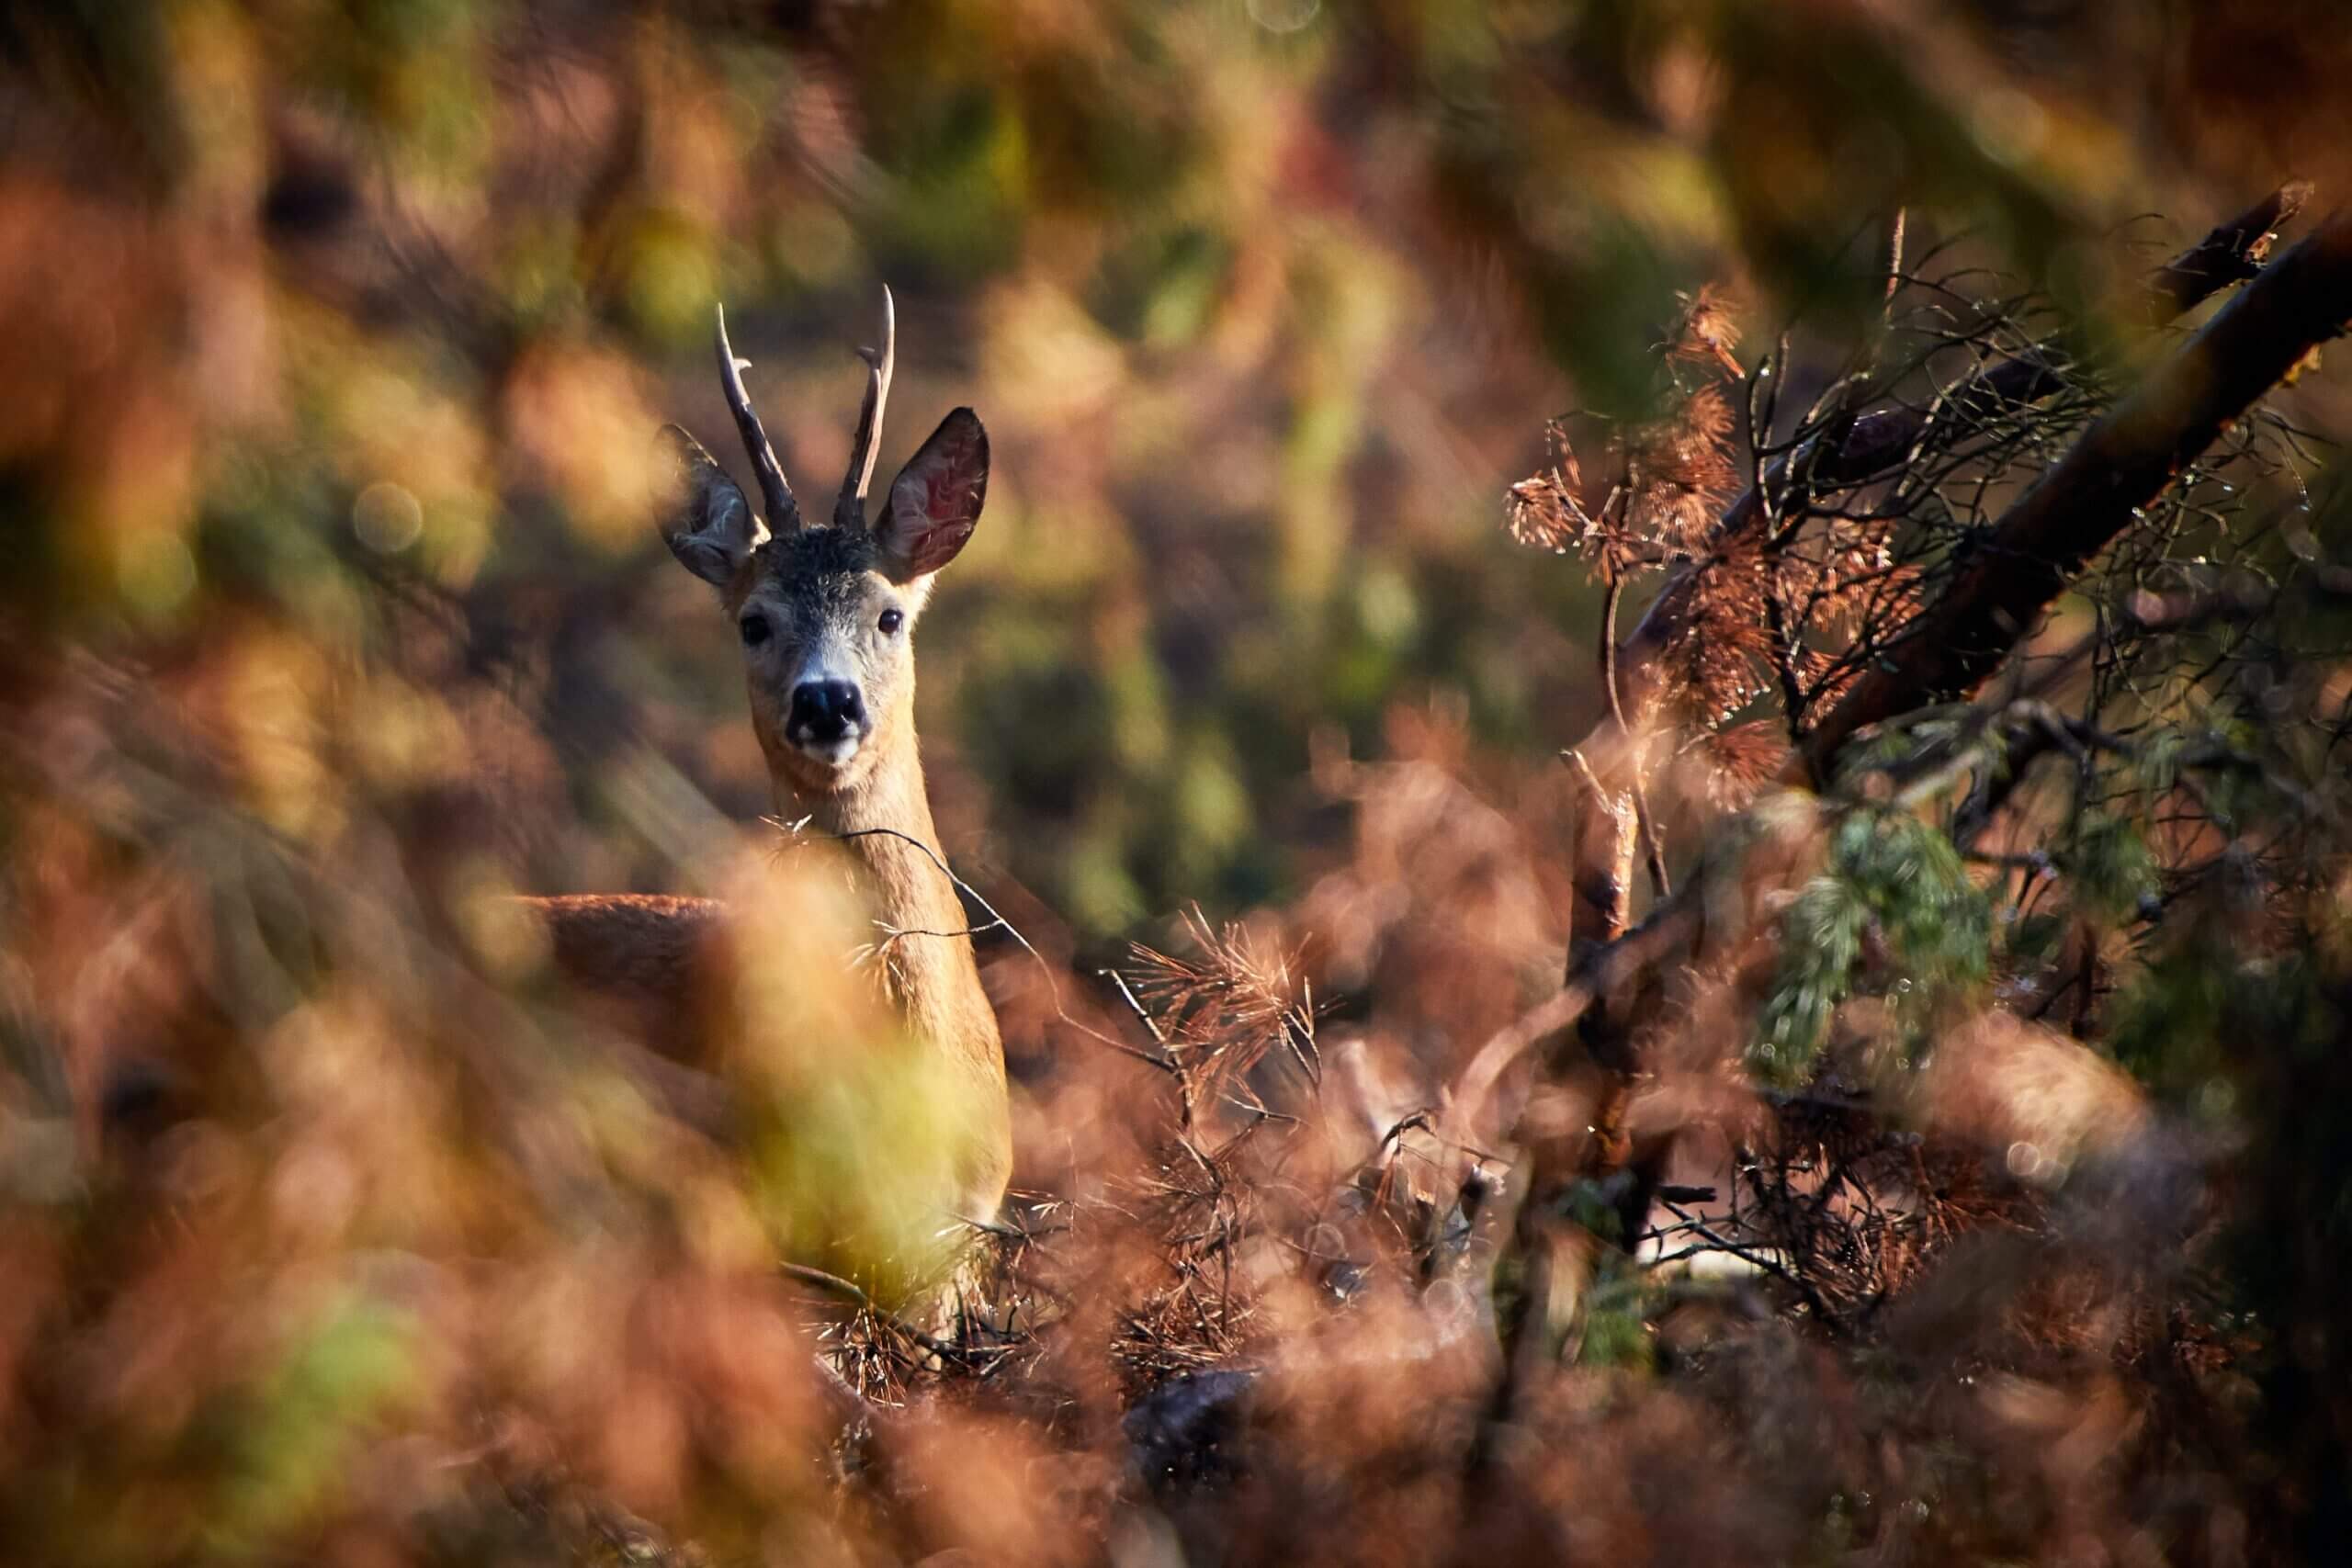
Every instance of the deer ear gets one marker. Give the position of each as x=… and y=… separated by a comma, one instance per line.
x=935, y=503
x=709, y=526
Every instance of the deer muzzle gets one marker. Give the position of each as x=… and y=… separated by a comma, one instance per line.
x=828, y=720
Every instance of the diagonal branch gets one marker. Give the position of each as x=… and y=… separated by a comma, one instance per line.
x=1877, y=440
x=1874, y=443
x=2231, y=253
x=2094, y=492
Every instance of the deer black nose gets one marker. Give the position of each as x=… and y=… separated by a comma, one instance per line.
x=824, y=711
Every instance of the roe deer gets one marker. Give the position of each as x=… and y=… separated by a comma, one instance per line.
x=826, y=613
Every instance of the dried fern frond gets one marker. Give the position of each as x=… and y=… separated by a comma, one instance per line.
x=1220, y=1014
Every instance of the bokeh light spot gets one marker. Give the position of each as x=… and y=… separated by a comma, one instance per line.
x=386, y=518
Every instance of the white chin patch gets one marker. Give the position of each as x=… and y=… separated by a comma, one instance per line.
x=832, y=753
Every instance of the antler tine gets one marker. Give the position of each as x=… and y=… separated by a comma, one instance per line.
x=784, y=513
x=850, y=510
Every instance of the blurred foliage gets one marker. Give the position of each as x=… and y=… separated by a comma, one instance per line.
x=1235, y=285
x=1892, y=877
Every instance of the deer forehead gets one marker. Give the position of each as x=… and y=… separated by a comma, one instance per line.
x=815, y=572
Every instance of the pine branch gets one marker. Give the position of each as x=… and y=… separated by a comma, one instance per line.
x=2044, y=541
x=1877, y=440
x=2093, y=494
x=1872, y=444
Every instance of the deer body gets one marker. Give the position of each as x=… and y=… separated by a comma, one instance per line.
x=825, y=613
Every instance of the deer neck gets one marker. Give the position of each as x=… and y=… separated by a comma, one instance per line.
x=883, y=820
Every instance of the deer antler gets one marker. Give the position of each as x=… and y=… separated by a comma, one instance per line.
x=850, y=510
x=784, y=513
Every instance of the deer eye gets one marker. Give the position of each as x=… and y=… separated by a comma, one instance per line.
x=890, y=623
x=755, y=630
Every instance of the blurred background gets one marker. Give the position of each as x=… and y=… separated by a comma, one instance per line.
x=323, y=309
x=334, y=341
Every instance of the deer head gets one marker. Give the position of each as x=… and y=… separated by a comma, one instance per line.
x=826, y=611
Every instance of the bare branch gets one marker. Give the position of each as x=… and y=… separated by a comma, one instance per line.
x=2231, y=253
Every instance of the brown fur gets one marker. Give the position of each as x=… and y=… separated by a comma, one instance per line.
x=652, y=954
